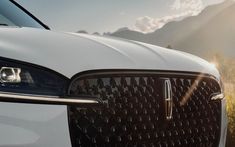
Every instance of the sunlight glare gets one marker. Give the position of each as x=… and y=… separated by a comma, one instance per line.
x=214, y=64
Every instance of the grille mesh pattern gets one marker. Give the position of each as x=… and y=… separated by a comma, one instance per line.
x=132, y=113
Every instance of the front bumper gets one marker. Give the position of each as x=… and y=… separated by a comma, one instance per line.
x=34, y=125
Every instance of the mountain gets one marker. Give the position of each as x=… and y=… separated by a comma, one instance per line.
x=210, y=32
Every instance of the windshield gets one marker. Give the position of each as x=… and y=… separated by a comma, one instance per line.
x=11, y=15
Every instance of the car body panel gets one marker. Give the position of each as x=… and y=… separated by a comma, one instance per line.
x=33, y=125
x=69, y=53
x=37, y=125
x=224, y=124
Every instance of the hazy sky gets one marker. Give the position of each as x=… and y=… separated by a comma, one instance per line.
x=110, y=15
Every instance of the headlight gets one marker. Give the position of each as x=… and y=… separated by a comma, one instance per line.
x=221, y=95
x=29, y=79
x=10, y=75
x=23, y=82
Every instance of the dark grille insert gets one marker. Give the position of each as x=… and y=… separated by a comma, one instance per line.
x=133, y=115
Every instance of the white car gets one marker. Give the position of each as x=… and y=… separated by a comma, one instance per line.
x=75, y=90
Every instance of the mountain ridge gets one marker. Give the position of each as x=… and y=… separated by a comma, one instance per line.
x=213, y=30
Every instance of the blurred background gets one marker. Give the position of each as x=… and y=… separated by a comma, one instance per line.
x=204, y=28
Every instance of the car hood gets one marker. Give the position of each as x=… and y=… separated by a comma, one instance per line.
x=72, y=53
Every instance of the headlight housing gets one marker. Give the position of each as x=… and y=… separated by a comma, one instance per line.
x=17, y=77
x=28, y=83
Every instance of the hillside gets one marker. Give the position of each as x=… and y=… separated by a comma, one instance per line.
x=212, y=31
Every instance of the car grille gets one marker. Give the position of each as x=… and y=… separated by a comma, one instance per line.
x=132, y=113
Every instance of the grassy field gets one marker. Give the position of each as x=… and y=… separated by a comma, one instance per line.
x=230, y=95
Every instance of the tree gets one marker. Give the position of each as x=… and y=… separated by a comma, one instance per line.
x=82, y=31
x=96, y=33
x=169, y=47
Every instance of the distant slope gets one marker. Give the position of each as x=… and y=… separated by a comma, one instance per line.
x=211, y=31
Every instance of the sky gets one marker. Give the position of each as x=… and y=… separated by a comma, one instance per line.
x=110, y=15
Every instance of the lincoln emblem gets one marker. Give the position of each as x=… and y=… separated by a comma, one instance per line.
x=167, y=94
